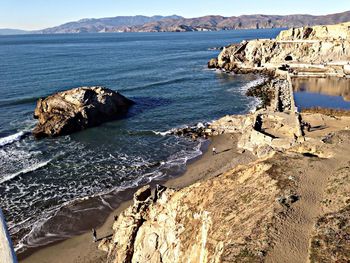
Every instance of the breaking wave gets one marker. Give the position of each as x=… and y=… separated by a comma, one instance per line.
x=12, y=138
x=30, y=169
x=249, y=85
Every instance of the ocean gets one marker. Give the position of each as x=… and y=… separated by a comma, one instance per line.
x=48, y=186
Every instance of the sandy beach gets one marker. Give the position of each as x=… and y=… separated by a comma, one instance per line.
x=82, y=249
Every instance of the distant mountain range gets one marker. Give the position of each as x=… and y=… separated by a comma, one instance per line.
x=180, y=24
x=109, y=24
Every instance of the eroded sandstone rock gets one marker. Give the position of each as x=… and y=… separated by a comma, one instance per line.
x=324, y=32
x=77, y=109
x=207, y=222
x=312, y=50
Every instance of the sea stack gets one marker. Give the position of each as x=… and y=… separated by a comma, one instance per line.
x=77, y=109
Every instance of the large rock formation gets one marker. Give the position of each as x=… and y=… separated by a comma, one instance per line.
x=329, y=32
x=319, y=49
x=77, y=109
x=207, y=222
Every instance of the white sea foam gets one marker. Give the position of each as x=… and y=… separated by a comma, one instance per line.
x=26, y=170
x=163, y=133
x=173, y=130
x=168, y=132
x=35, y=225
x=253, y=105
x=12, y=138
x=251, y=84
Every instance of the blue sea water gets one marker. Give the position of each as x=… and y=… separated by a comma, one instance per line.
x=164, y=73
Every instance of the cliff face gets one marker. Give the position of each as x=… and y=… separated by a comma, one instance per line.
x=313, y=49
x=329, y=32
x=207, y=222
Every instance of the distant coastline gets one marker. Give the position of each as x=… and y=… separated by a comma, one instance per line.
x=174, y=23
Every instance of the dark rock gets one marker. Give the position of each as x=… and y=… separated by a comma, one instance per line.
x=288, y=200
x=142, y=198
x=200, y=130
x=142, y=194
x=158, y=192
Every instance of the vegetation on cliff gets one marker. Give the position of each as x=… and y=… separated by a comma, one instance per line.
x=206, y=23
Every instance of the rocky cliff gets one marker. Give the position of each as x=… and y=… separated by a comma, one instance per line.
x=77, y=109
x=324, y=33
x=319, y=49
x=207, y=222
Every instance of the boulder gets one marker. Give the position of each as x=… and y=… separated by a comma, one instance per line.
x=77, y=109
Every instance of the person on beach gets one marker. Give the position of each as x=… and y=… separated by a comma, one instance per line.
x=214, y=151
x=94, y=235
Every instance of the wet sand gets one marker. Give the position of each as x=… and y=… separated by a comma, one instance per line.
x=81, y=248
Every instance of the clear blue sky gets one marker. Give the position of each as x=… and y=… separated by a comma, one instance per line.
x=37, y=14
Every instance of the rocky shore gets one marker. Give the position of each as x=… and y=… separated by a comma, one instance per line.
x=310, y=51
x=279, y=207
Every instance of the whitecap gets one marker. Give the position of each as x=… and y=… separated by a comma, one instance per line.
x=250, y=84
x=12, y=138
x=32, y=168
x=165, y=133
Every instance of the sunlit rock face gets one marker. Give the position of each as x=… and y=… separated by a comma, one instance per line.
x=319, y=45
x=77, y=109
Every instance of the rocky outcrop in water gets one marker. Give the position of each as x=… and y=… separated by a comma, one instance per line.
x=77, y=109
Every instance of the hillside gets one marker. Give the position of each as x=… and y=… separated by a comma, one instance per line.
x=109, y=24
x=207, y=23
x=215, y=23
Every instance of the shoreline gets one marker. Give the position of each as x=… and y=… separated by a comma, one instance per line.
x=286, y=174
x=199, y=169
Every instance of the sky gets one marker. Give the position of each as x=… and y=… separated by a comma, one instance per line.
x=38, y=14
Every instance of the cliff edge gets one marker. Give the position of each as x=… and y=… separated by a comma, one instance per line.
x=318, y=51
